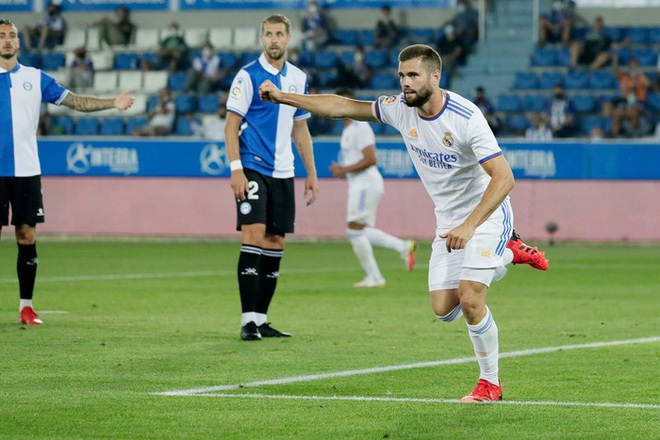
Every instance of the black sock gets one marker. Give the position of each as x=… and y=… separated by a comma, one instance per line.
x=248, y=276
x=26, y=269
x=269, y=272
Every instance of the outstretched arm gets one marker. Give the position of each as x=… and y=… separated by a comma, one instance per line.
x=94, y=104
x=326, y=105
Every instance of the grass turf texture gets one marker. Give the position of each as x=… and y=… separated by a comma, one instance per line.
x=148, y=317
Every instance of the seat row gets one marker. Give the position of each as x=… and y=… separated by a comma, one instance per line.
x=572, y=80
x=561, y=57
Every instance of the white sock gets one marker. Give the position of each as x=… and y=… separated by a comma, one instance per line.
x=455, y=313
x=364, y=253
x=248, y=317
x=260, y=318
x=484, y=338
x=507, y=257
x=24, y=303
x=383, y=239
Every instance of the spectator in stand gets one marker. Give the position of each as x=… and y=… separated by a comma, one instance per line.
x=452, y=51
x=556, y=26
x=206, y=73
x=315, y=28
x=386, y=33
x=293, y=55
x=82, y=70
x=173, y=53
x=656, y=83
x=561, y=114
x=161, y=117
x=538, y=131
x=630, y=105
x=594, y=50
x=212, y=126
x=466, y=24
x=487, y=108
x=48, y=33
x=355, y=75
x=117, y=32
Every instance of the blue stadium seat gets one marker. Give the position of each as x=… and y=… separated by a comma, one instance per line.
x=248, y=56
x=52, y=61
x=30, y=59
x=638, y=35
x=336, y=127
x=126, y=61
x=306, y=59
x=654, y=35
x=508, y=103
x=227, y=59
x=346, y=57
x=518, y=123
x=602, y=79
x=543, y=57
x=584, y=103
x=614, y=32
x=149, y=57
x=422, y=36
x=646, y=57
x=185, y=103
x=564, y=57
x=394, y=58
x=208, y=103
x=183, y=126
x=325, y=59
x=366, y=37
x=376, y=59
x=388, y=130
x=112, y=126
x=653, y=101
x=86, y=126
x=346, y=37
x=61, y=125
x=176, y=82
x=377, y=128
x=526, y=80
x=135, y=122
x=445, y=80
x=383, y=80
x=588, y=123
x=534, y=103
x=577, y=79
x=550, y=79
x=327, y=78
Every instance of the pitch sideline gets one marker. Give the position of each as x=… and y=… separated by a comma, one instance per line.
x=217, y=390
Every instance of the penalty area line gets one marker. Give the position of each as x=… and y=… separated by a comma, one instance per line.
x=423, y=400
x=384, y=369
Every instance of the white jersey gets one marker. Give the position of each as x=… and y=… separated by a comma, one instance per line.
x=354, y=138
x=447, y=151
x=22, y=91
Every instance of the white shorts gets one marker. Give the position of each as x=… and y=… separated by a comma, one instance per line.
x=480, y=261
x=363, y=204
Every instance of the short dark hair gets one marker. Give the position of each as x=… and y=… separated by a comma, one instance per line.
x=5, y=21
x=277, y=18
x=430, y=57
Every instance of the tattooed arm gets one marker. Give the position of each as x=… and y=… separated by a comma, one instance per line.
x=94, y=104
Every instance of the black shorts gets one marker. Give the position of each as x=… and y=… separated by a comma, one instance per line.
x=269, y=201
x=23, y=194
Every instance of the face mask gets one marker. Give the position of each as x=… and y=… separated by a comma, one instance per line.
x=358, y=57
x=313, y=10
x=460, y=8
x=206, y=52
x=557, y=6
x=449, y=29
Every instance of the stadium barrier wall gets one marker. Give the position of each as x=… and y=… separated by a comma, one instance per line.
x=598, y=192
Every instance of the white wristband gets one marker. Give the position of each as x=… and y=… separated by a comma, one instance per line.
x=235, y=165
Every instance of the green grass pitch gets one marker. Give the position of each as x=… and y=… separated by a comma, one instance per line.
x=125, y=320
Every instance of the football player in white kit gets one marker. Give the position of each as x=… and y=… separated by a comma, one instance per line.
x=464, y=172
x=365, y=190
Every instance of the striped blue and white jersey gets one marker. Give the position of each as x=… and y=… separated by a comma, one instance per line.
x=22, y=91
x=447, y=151
x=265, y=133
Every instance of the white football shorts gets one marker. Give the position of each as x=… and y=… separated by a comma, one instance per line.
x=363, y=203
x=480, y=261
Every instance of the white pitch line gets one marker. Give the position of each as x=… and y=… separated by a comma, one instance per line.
x=421, y=400
x=346, y=373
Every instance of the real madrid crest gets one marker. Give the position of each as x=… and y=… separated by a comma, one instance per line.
x=448, y=140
